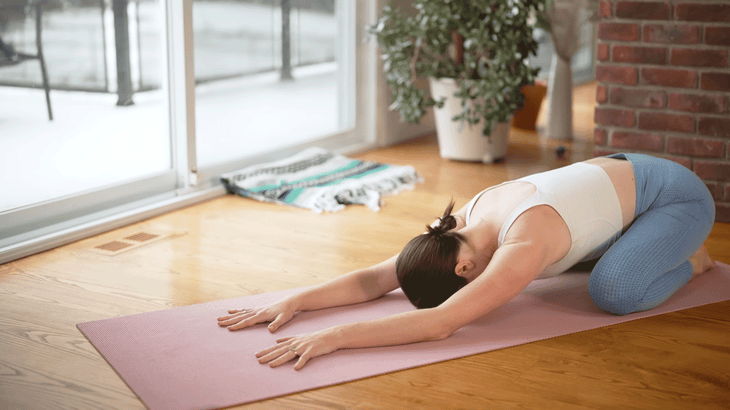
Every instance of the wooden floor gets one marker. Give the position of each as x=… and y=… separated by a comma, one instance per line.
x=230, y=247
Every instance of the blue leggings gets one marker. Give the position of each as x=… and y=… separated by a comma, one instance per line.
x=647, y=264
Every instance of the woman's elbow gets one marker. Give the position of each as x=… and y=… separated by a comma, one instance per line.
x=443, y=332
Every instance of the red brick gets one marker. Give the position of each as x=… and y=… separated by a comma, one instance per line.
x=618, y=75
x=695, y=147
x=666, y=122
x=642, y=10
x=632, y=97
x=717, y=36
x=716, y=190
x=619, y=118
x=722, y=212
x=672, y=34
x=713, y=171
x=715, y=82
x=618, y=31
x=699, y=58
x=636, y=141
x=669, y=77
x=602, y=54
x=602, y=153
x=697, y=103
x=686, y=162
x=604, y=9
x=702, y=12
x=601, y=94
x=639, y=55
x=714, y=127
x=727, y=191
x=599, y=136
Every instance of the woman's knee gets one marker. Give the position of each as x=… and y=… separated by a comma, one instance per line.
x=613, y=296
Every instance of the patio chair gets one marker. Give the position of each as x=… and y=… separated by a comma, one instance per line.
x=10, y=57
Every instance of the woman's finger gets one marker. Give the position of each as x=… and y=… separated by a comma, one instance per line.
x=267, y=351
x=303, y=359
x=278, y=351
x=232, y=317
x=280, y=320
x=235, y=319
x=271, y=349
x=249, y=321
x=285, y=339
x=235, y=312
x=284, y=357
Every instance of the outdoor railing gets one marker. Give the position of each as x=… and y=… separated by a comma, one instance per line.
x=115, y=45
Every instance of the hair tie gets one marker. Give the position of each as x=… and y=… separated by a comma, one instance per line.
x=446, y=223
x=437, y=231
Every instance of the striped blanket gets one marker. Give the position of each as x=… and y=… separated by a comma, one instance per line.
x=319, y=180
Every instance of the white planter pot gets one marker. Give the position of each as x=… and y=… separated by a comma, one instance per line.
x=459, y=140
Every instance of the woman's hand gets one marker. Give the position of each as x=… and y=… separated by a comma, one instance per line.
x=304, y=346
x=278, y=314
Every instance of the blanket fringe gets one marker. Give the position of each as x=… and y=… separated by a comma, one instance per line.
x=369, y=194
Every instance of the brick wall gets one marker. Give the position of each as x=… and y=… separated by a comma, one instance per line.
x=664, y=86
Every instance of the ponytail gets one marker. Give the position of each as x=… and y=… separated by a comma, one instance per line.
x=446, y=223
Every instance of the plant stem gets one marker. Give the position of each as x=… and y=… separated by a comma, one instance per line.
x=416, y=54
x=458, y=41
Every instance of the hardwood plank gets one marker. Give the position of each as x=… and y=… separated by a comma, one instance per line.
x=230, y=247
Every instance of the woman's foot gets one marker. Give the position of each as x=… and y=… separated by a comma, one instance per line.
x=701, y=261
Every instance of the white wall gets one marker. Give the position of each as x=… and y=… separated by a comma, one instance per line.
x=390, y=128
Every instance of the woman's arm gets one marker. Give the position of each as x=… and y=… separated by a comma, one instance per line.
x=355, y=287
x=513, y=266
x=523, y=255
x=361, y=285
x=408, y=327
x=500, y=282
x=404, y=328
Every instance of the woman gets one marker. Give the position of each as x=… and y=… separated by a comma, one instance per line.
x=645, y=218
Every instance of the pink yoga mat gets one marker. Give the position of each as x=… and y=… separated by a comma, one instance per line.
x=181, y=359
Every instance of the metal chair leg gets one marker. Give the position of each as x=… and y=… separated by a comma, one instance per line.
x=38, y=42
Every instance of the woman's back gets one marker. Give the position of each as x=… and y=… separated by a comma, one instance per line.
x=585, y=208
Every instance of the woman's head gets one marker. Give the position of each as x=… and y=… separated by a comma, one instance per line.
x=426, y=266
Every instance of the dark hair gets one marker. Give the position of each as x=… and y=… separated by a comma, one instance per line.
x=425, y=267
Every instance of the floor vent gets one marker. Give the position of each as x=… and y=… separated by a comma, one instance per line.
x=141, y=237
x=113, y=246
x=128, y=243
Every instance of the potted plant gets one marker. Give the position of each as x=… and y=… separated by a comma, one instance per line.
x=474, y=54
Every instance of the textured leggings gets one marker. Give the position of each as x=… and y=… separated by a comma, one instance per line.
x=647, y=264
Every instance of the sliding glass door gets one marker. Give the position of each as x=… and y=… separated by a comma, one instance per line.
x=151, y=100
x=83, y=115
x=273, y=76
x=98, y=136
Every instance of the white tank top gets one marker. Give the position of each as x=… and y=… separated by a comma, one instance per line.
x=584, y=196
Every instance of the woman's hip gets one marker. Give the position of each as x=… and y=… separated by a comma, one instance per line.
x=661, y=182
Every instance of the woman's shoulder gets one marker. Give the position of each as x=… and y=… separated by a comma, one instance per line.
x=542, y=227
